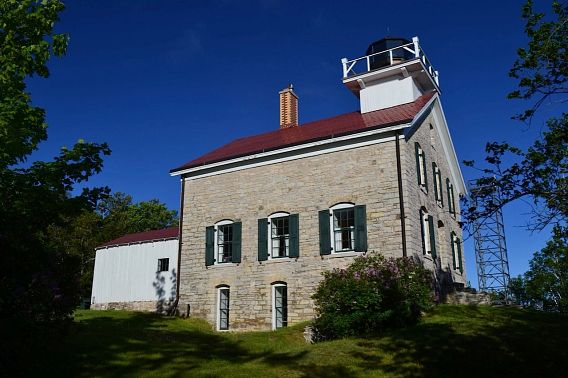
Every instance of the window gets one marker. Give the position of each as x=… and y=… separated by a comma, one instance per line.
x=223, y=243
x=428, y=233
x=163, y=265
x=343, y=228
x=456, y=252
x=421, y=167
x=279, y=305
x=223, y=306
x=279, y=235
x=437, y=184
x=451, y=201
x=432, y=137
x=424, y=225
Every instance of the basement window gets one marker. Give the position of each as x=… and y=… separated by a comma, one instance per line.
x=163, y=265
x=223, y=308
x=279, y=305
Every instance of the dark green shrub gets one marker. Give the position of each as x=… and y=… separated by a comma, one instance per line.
x=372, y=294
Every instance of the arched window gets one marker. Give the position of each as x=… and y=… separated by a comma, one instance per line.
x=437, y=184
x=279, y=235
x=456, y=252
x=421, y=166
x=428, y=233
x=343, y=227
x=279, y=305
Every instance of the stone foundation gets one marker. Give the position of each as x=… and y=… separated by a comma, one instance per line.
x=464, y=298
x=150, y=306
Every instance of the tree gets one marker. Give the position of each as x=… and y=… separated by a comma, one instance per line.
x=115, y=215
x=546, y=280
x=540, y=172
x=545, y=285
x=39, y=283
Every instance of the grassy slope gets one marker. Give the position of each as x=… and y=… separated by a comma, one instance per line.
x=452, y=341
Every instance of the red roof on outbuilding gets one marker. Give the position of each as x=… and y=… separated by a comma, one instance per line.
x=146, y=236
x=344, y=124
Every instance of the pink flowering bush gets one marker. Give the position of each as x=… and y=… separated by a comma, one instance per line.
x=372, y=294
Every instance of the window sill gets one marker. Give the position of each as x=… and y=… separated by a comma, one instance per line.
x=278, y=260
x=440, y=204
x=428, y=257
x=222, y=265
x=423, y=189
x=334, y=255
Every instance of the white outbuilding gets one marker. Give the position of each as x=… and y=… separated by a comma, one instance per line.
x=137, y=272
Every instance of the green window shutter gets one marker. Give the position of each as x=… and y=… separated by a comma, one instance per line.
x=360, y=228
x=450, y=201
x=452, y=197
x=263, y=239
x=423, y=232
x=325, y=241
x=209, y=245
x=432, y=236
x=425, y=170
x=452, y=237
x=237, y=231
x=294, y=229
x=460, y=255
x=417, y=152
x=435, y=178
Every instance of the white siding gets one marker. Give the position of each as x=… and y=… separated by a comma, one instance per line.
x=128, y=273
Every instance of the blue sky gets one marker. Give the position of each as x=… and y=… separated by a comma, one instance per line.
x=165, y=81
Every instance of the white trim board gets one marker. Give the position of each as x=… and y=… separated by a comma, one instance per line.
x=319, y=150
x=290, y=149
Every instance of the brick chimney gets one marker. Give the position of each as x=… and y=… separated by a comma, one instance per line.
x=288, y=108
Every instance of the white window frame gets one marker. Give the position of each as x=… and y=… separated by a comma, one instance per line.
x=341, y=206
x=426, y=227
x=219, y=289
x=216, y=242
x=438, y=187
x=160, y=264
x=455, y=246
x=274, y=286
x=422, y=166
x=280, y=214
x=451, y=199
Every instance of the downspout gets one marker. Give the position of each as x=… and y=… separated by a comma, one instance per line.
x=175, y=306
x=400, y=194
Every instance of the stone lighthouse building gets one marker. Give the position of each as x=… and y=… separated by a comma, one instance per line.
x=265, y=215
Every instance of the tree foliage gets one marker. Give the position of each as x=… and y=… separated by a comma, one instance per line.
x=538, y=174
x=545, y=285
x=40, y=281
x=115, y=215
x=542, y=68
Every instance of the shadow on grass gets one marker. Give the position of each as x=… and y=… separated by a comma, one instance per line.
x=453, y=341
x=495, y=343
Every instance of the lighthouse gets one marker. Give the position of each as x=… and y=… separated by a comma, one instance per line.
x=394, y=71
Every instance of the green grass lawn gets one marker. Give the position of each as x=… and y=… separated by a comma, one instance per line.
x=452, y=341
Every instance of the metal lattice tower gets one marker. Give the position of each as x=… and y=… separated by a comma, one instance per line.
x=491, y=252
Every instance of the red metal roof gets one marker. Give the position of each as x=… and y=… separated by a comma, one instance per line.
x=146, y=236
x=344, y=124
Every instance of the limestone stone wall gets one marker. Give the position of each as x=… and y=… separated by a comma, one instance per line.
x=365, y=175
x=415, y=198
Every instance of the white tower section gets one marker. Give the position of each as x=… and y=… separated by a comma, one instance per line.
x=394, y=76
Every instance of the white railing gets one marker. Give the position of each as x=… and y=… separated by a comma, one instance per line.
x=361, y=65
